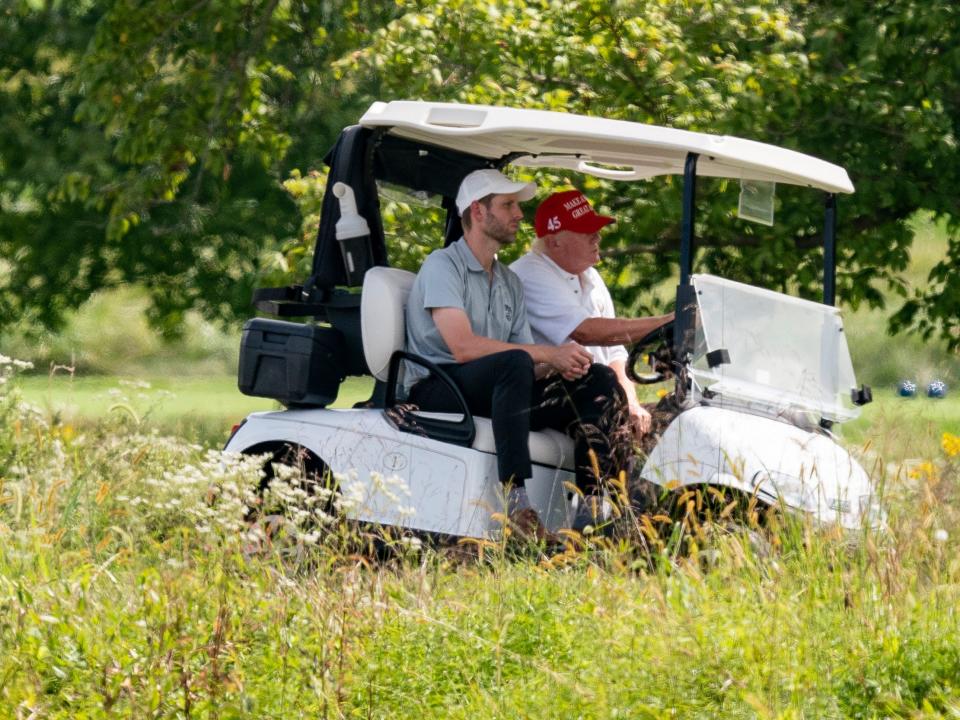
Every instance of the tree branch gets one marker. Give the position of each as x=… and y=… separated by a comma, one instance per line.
x=672, y=244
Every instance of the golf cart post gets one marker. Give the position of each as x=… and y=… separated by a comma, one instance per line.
x=760, y=377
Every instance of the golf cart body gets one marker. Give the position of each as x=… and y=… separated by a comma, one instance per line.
x=768, y=375
x=757, y=397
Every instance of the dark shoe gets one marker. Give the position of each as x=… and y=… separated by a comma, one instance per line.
x=644, y=496
x=592, y=511
x=525, y=524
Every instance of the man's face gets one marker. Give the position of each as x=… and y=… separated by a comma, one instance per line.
x=573, y=251
x=501, y=220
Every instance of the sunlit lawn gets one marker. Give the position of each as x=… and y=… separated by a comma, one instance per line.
x=897, y=428
x=201, y=408
x=205, y=408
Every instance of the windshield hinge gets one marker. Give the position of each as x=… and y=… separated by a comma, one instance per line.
x=718, y=357
x=863, y=396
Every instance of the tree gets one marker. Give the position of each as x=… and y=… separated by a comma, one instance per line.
x=657, y=62
x=870, y=86
x=44, y=207
x=147, y=141
x=895, y=110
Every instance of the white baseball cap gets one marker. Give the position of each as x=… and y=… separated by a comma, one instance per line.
x=481, y=183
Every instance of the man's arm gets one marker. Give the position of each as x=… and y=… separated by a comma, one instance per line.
x=639, y=414
x=569, y=359
x=616, y=331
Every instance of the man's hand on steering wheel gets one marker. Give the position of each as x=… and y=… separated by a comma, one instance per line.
x=658, y=344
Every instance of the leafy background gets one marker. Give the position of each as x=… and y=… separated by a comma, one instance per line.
x=174, y=144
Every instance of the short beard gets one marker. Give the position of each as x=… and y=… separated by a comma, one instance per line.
x=496, y=230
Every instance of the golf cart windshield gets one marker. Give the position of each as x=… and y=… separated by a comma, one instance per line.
x=785, y=354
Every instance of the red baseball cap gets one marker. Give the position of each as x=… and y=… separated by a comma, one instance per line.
x=568, y=210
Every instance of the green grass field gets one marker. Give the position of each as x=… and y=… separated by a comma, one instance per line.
x=203, y=408
x=133, y=583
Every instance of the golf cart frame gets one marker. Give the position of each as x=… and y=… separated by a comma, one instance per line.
x=428, y=148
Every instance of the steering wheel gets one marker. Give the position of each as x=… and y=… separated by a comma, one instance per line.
x=658, y=344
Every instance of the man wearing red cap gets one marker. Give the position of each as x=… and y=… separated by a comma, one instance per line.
x=565, y=295
x=466, y=314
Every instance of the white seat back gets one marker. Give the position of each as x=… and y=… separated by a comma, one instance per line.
x=383, y=306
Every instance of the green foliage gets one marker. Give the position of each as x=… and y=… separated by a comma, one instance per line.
x=47, y=163
x=888, y=73
x=811, y=76
x=147, y=142
x=649, y=62
x=131, y=584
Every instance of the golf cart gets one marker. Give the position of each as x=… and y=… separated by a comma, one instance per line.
x=756, y=400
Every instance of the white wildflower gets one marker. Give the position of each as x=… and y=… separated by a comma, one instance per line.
x=285, y=472
x=941, y=535
x=352, y=497
x=411, y=543
x=255, y=534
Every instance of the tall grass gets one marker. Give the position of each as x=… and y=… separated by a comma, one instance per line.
x=135, y=583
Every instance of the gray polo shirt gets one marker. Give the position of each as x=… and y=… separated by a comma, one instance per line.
x=453, y=277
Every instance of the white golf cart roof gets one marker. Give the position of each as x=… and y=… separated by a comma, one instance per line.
x=611, y=149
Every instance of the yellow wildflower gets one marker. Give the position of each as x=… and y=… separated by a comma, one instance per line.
x=923, y=470
x=951, y=444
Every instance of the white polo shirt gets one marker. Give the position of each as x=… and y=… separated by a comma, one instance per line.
x=558, y=301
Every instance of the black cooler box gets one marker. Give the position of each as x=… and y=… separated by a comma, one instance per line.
x=290, y=362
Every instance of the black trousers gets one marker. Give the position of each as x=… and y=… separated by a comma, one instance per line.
x=592, y=410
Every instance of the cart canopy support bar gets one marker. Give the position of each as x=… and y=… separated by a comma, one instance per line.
x=687, y=223
x=685, y=317
x=830, y=250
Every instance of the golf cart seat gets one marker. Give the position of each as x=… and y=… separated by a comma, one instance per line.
x=382, y=313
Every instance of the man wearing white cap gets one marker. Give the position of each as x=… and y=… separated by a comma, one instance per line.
x=566, y=297
x=466, y=313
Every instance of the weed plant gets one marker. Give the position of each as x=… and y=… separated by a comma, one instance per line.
x=136, y=582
